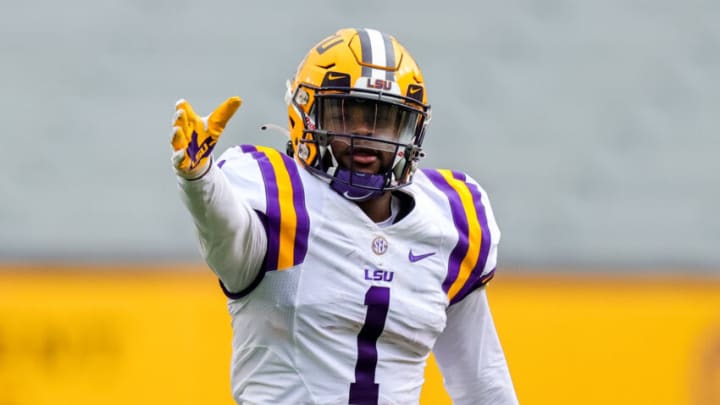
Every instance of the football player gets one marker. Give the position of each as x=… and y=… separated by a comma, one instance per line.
x=344, y=265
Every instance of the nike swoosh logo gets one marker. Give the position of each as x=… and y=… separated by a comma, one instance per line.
x=414, y=258
x=335, y=77
x=414, y=90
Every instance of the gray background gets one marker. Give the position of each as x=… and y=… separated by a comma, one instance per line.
x=592, y=124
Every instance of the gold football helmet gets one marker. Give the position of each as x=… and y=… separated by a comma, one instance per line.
x=358, y=90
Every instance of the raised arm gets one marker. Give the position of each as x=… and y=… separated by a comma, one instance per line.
x=232, y=238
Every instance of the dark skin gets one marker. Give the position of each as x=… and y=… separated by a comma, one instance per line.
x=367, y=157
x=368, y=161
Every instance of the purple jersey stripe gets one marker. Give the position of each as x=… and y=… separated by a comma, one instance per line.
x=460, y=220
x=302, y=231
x=272, y=218
x=476, y=278
x=247, y=148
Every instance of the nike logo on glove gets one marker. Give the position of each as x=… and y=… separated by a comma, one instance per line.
x=414, y=258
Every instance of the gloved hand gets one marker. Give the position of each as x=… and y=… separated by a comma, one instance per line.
x=194, y=137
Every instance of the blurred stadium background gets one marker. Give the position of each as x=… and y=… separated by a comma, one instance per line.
x=592, y=124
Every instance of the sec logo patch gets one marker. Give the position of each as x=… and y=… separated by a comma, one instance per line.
x=379, y=245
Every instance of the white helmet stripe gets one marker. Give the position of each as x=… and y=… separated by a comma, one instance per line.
x=377, y=50
x=377, y=46
x=389, y=57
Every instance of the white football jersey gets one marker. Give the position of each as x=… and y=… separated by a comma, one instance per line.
x=343, y=310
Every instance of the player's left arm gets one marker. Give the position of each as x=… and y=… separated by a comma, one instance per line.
x=468, y=351
x=470, y=356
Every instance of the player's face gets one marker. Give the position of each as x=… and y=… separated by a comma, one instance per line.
x=365, y=118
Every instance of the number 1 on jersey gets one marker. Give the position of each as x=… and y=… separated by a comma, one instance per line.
x=364, y=390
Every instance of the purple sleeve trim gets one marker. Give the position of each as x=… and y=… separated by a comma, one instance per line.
x=469, y=288
x=476, y=278
x=461, y=225
x=459, y=216
x=273, y=220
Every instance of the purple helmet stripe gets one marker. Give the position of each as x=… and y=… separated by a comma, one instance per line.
x=377, y=51
x=366, y=51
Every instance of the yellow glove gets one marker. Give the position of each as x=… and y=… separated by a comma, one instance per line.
x=194, y=137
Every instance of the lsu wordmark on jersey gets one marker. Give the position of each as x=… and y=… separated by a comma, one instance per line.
x=345, y=310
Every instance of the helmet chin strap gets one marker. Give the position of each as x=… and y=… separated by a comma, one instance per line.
x=346, y=184
x=354, y=186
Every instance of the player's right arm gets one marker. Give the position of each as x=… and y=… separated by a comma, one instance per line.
x=232, y=238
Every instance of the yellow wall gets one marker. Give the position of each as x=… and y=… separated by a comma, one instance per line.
x=129, y=336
